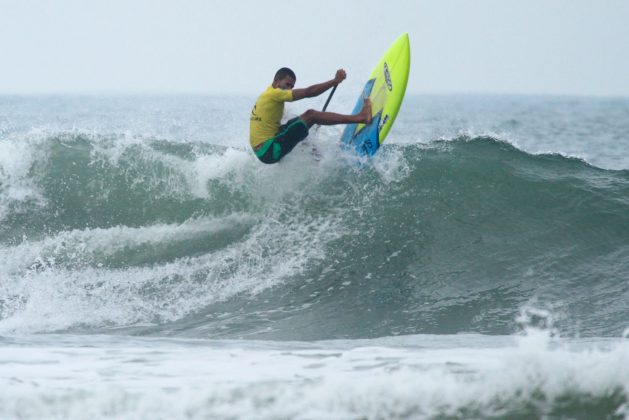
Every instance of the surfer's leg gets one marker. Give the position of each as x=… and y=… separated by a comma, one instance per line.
x=312, y=117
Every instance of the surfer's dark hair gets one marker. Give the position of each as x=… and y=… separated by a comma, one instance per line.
x=283, y=72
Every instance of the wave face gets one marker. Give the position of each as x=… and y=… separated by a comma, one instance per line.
x=117, y=233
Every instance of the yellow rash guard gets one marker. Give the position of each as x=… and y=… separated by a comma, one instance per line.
x=266, y=114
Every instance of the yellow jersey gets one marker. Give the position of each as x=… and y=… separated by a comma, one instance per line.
x=267, y=114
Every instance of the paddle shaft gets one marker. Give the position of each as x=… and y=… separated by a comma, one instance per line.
x=329, y=98
x=327, y=102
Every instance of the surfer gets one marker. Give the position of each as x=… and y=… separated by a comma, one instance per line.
x=270, y=140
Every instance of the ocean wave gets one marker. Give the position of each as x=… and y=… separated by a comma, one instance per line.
x=443, y=237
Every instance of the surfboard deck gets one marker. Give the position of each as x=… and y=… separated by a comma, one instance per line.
x=386, y=88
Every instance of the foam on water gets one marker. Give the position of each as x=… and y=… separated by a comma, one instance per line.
x=88, y=279
x=405, y=377
x=16, y=185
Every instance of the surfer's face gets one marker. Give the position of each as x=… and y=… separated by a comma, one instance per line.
x=287, y=83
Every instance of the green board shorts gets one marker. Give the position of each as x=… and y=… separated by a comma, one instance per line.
x=287, y=137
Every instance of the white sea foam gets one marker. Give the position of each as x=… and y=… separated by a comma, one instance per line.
x=41, y=293
x=17, y=156
x=407, y=377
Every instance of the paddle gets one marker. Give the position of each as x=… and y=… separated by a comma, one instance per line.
x=327, y=102
x=329, y=98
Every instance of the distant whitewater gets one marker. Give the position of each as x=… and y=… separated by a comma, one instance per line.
x=128, y=223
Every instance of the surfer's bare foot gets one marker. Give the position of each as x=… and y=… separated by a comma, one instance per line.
x=365, y=113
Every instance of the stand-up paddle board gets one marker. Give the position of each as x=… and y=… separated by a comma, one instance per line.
x=386, y=87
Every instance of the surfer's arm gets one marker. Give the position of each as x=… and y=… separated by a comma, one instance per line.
x=318, y=89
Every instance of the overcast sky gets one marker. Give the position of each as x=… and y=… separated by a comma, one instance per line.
x=234, y=46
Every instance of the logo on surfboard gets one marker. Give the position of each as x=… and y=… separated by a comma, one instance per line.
x=387, y=77
x=383, y=122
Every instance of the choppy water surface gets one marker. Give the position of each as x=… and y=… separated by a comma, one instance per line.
x=151, y=267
